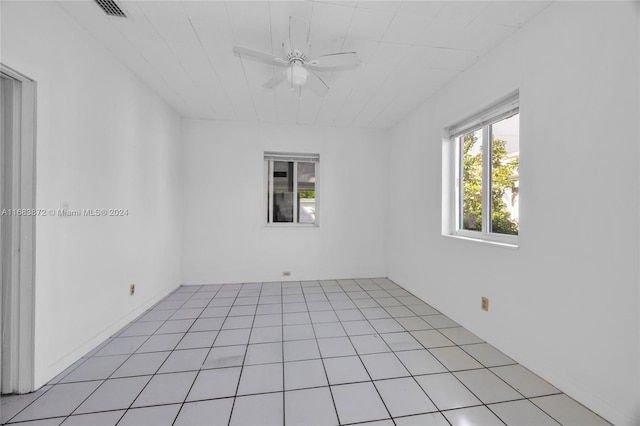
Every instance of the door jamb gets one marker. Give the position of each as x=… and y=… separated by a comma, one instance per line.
x=19, y=322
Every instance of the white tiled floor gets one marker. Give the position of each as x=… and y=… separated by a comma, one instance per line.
x=313, y=353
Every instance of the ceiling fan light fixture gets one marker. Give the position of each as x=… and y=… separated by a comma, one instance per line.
x=296, y=74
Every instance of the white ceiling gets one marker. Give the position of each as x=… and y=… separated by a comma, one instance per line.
x=407, y=51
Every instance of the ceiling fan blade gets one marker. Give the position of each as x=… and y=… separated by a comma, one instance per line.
x=316, y=84
x=259, y=55
x=286, y=47
x=298, y=35
x=290, y=73
x=334, y=60
x=274, y=81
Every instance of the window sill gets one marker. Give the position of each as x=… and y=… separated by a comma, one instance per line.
x=291, y=226
x=508, y=245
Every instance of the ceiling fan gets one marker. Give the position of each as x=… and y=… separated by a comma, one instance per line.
x=298, y=67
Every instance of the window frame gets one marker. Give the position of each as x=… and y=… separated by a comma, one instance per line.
x=269, y=158
x=498, y=111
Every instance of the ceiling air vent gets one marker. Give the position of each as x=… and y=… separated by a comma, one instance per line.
x=111, y=8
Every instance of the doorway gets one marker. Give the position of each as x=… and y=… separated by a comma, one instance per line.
x=17, y=230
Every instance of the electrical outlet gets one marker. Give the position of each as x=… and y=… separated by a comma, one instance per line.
x=132, y=289
x=286, y=273
x=485, y=304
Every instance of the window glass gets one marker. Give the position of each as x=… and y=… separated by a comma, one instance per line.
x=505, y=160
x=306, y=192
x=283, y=191
x=472, y=180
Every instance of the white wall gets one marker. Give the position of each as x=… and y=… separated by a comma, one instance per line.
x=225, y=239
x=103, y=141
x=565, y=304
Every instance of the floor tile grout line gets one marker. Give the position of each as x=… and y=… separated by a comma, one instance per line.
x=448, y=370
x=549, y=414
x=203, y=361
x=284, y=396
x=284, y=407
x=311, y=387
x=394, y=352
x=244, y=358
x=488, y=407
x=399, y=360
x=162, y=364
x=23, y=422
x=26, y=406
x=476, y=358
x=365, y=368
x=503, y=381
x=324, y=367
x=454, y=345
x=452, y=372
x=422, y=414
x=378, y=333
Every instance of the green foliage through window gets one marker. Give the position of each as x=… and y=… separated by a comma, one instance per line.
x=307, y=194
x=504, y=172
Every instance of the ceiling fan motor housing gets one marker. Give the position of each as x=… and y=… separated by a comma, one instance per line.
x=297, y=56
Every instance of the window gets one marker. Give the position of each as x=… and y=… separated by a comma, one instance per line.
x=291, y=188
x=487, y=157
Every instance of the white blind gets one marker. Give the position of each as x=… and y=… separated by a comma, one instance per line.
x=292, y=156
x=504, y=108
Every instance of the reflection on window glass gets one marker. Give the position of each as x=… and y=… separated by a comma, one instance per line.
x=282, y=191
x=471, y=146
x=306, y=192
x=505, y=161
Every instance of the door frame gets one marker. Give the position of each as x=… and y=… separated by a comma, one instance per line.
x=17, y=307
